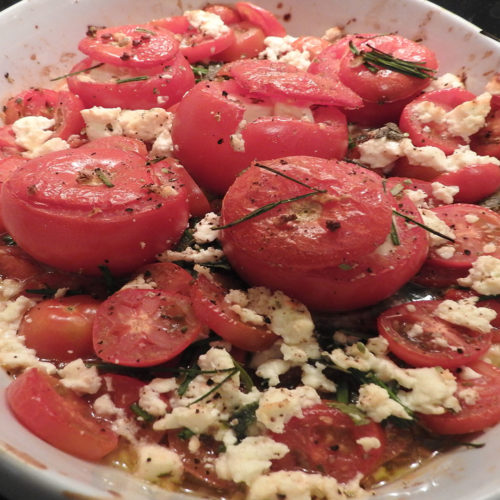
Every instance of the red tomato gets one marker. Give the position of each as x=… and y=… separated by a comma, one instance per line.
x=352, y=284
x=470, y=237
x=131, y=46
x=403, y=168
x=440, y=343
x=137, y=327
x=248, y=42
x=117, y=142
x=438, y=276
x=313, y=44
x=78, y=210
x=58, y=416
x=432, y=133
x=195, y=45
x=197, y=201
x=382, y=84
x=225, y=12
x=7, y=166
x=282, y=81
x=261, y=17
x=486, y=142
x=67, y=115
x=212, y=310
x=397, y=186
x=31, y=102
x=199, y=465
x=8, y=146
x=61, y=329
x=350, y=220
x=219, y=110
x=325, y=440
x=476, y=182
x=129, y=88
x=168, y=277
x=484, y=413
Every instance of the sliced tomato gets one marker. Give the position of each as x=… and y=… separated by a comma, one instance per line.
x=223, y=114
x=137, y=327
x=168, y=277
x=434, y=133
x=7, y=167
x=483, y=413
x=420, y=338
x=470, y=237
x=61, y=329
x=438, y=276
x=263, y=78
x=313, y=44
x=67, y=115
x=198, y=465
x=117, y=142
x=131, y=46
x=58, y=416
x=351, y=219
x=128, y=88
x=195, y=44
x=403, y=168
x=248, y=42
x=212, y=310
x=227, y=13
x=261, y=17
x=31, y=102
x=325, y=440
x=8, y=145
x=486, y=142
x=476, y=182
x=381, y=84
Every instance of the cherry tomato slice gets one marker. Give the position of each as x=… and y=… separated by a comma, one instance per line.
x=211, y=308
x=483, y=413
x=471, y=235
x=58, y=416
x=168, y=277
x=137, y=327
x=325, y=440
x=420, y=338
x=61, y=329
x=225, y=12
x=248, y=42
x=131, y=46
x=261, y=17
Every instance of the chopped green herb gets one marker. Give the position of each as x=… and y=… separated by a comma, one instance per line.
x=104, y=177
x=133, y=79
x=397, y=189
x=242, y=419
x=185, y=434
x=143, y=30
x=76, y=72
x=357, y=416
x=394, y=234
x=143, y=414
x=345, y=267
x=216, y=387
x=9, y=240
x=423, y=226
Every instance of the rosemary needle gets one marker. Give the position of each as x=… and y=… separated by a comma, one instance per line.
x=423, y=226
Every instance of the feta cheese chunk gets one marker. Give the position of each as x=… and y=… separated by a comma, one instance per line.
x=465, y=313
x=484, y=276
x=155, y=461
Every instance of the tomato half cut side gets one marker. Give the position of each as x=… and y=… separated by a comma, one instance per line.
x=136, y=327
x=420, y=338
x=168, y=276
x=475, y=229
x=212, y=310
x=248, y=42
x=58, y=416
x=483, y=413
x=131, y=46
x=31, y=102
x=325, y=440
x=261, y=17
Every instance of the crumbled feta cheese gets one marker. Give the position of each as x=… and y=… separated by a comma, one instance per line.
x=444, y=193
x=418, y=196
x=377, y=404
x=313, y=376
x=446, y=81
x=237, y=140
x=379, y=153
x=278, y=406
x=489, y=248
x=302, y=113
x=428, y=111
x=101, y=122
x=104, y=407
x=446, y=251
x=209, y=24
x=33, y=131
x=369, y=443
x=465, y=313
x=272, y=369
x=198, y=256
x=248, y=460
x=155, y=461
x=333, y=34
x=467, y=373
x=52, y=145
x=484, y=276
x=469, y=396
x=203, y=230
x=143, y=124
x=471, y=218
x=79, y=378
x=150, y=399
x=432, y=221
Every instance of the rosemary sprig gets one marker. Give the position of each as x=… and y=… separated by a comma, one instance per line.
x=141, y=413
x=281, y=174
x=76, y=72
x=103, y=177
x=132, y=79
x=216, y=387
x=143, y=30
x=375, y=59
x=423, y=226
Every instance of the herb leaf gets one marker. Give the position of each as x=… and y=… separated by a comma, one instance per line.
x=357, y=416
x=141, y=413
x=242, y=419
x=76, y=72
x=132, y=79
x=423, y=226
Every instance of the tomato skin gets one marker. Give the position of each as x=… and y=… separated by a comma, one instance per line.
x=58, y=416
x=433, y=134
x=67, y=115
x=135, y=327
x=78, y=226
x=210, y=307
x=168, y=277
x=134, y=49
x=325, y=440
x=7, y=167
x=463, y=345
x=117, y=142
x=476, y=182
x=362, y=281
x=261, y=17
x=486, y=142
x=484, y=413
x=218, y=108
x=470, y=238
x=8, y=146
x=164, y=86
x=30, y=102
x=248, y=42
x=61, y=329
x=225, y=12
